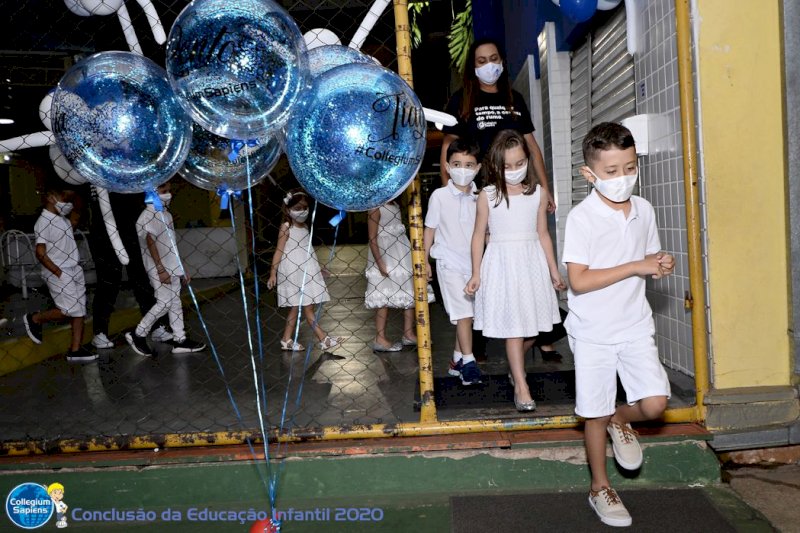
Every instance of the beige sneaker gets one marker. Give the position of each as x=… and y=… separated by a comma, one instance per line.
x=609, y=507
x=626, y=447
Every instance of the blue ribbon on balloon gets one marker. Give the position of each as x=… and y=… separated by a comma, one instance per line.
x=337, y=218
x=151, y=197
x=237, y=145
x=225, y=195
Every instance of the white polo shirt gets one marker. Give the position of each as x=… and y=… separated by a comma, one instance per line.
x=55, y=232
x=601, y=237
x=452, y=214
x=159, y=226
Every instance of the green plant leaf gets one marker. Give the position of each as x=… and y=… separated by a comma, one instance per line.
x=460, y=38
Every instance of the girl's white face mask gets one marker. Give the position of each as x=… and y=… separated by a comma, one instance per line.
x=489, y=73
x=514, y=177
x=616, y=189
x=299, y=216
x=462, y=176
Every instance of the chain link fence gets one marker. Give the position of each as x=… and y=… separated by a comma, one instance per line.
x=226, y=255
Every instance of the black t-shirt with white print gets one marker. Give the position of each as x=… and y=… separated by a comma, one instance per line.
x=489, y=116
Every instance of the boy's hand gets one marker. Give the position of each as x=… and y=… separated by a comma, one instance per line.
x=473, y=285
x=429, y=271
x=650, y=266
x=163, y=275
x=186, y=279
x=667, y=263
x=58, y=272
x=271, y=282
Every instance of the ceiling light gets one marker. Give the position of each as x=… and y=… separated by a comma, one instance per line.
x=6, y=120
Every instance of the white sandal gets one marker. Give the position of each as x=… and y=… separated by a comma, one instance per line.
x=291, y=346
x=331, y=342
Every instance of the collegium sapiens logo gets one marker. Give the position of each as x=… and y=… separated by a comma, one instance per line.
x=29, y=505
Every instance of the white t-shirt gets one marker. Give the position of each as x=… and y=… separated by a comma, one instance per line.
x=55, y=232
x=452, y=214
x=601, y=237
x=159, y=226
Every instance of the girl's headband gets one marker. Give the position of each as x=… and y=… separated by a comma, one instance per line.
x=290, y=195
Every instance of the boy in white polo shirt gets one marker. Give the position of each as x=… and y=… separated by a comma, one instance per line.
x=448, y=235
x=165, y=270
x=57, y=251
x=611, y=245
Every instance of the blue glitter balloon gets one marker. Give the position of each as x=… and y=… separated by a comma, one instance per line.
x=238, y=66
x=216, y=163
x=323, y=58
x=358, y=139
x=118, y=123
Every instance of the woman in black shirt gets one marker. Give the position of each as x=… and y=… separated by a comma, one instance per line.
x=487, y=105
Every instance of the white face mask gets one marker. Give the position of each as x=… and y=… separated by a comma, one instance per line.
x=299, y=216
x=462, y=176
x=489, y=73
x=616, y=189
x=516, y=176
x=64, y=208
x=165, y=198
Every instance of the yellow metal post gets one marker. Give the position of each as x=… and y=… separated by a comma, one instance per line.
x=415, y=220
x=692, y=193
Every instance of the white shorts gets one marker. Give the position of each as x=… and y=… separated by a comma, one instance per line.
x=596, y=368
x=68, y=291
x=456, y=302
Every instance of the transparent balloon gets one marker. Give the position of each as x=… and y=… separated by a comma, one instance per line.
x=216, y=163
x=323, y=58
x=239, y=67
x=358, y=139
x=118, y=123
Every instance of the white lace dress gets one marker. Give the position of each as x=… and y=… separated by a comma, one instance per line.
x=294, y=262
x=516, y=296
x=396, y=291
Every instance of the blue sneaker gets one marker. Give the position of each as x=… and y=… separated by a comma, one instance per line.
x=455, y=368
x=471, y=374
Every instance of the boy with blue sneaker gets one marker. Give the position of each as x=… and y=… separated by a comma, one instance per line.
x=448, y=235
x=611, y=245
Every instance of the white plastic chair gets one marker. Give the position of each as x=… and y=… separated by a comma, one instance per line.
x=18, y=256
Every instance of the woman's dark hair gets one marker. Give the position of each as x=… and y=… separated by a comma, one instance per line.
x=605, y=136
x=495, y=163
x=472, y=86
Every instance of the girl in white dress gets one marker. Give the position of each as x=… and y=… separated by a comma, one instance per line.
x=290, y=264
x=513, y=280
x=389, y=279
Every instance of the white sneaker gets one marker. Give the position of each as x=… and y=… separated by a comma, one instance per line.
x=101, y=341
x=627, y=450
x=160, y=334
x=609, y=507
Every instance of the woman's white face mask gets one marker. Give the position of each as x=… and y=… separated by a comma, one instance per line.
x=489, y=73
x=617, y=189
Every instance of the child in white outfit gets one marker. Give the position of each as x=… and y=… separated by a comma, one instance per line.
x=165, y=270
x=448, y=235
x=513, y=280
x=389, y=278
x=296, y=273
x=611, y=245
x=57, y=251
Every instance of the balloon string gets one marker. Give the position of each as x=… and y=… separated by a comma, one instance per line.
x=265, y=437
x=214, y=352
